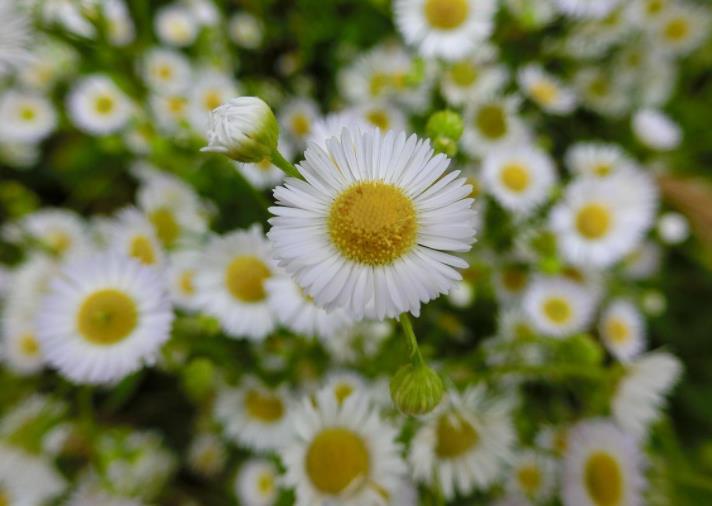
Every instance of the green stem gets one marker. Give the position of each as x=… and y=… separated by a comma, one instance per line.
x=86, y=410
x=415, y=356
x=284, y=164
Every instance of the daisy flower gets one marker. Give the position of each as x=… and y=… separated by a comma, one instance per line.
x=510, y=282
x=381, y=115
x=545, y=90
x=15, y=38
x=175, y=25
x=602, y=92
x=119, y=25
x=532, y=476
x=640, y=394
x=257, y=483
x=519, y=178
x=363, y=339
x=332, y=124
x=602, y=466
x=558, y=307
x=21, y=351
x=598, y=222
x=342, y=453
x=370, y=228
x=343, y=384
x=170, y=111
x=492, y=123
x=647, y=13
x=597, y=159
x=465, y=445
x=264, y=174
x=445, y=28
x=682, y=28
x=643, y=262
x=207, y=455
x=656, y=130
x=622, y=330
x=461, y=295
x=97, y=106
x=89, y=492
x=673, y=228
x=210, y=90
x=131, y=234
x=60, y=231
x=254, y=415
x=246, y=30
x=103, y=318
x=27, y=479
x=587, y=9
x=230, y=283
x=182, y=266
x=166, y=70
x=473, y=77
x=26, y=117
x=297, y=117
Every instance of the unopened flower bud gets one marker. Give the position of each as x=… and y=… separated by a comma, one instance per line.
x=444, y=129
x=199, y=378
x=416, y=389
x=581, y=349
x=244, y=129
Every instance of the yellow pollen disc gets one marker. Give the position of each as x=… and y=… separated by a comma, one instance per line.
x=529, y=478
x=379, y=83
x=602, y=169
x=378, y=118
x=29, y=345
x=265, y=165
x=335, y=458
x=301, y=125
x=617, y=330
x=677, y=29
x=4, y=499
x=523, y=331
x=27, y=113
x=373, y=223
x=104, y=104
x=265, y=483
x=446, y=14
x=212, y=99
x=514, y=279
x=515, y=177
x=342, y=391
x=599, y=87
x=176, y=105
x=463, y=73
x=593, y=221
x=245, y=277
x=186, y=283
x=142, y=250
x=263, y=406
x=604, y=480
x=544, y=92
x=557, y=309
x=107, y=317
x=59, y=242
x=164, y=72
x=653, y=7
x=165, y=225
x=573, y=274
x=491, y=121
x=455, y=436
x=561, y=441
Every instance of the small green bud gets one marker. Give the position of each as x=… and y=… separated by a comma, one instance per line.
x=445, y=124
x=582, y=349
x=198, y=378
x=416, y=389
x=244, y=129
x=416, y=74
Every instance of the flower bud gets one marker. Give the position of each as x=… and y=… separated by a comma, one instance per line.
x=416, y=389
x=244, y=129
x=581, y=349
x=444, y=129
x=199, y=378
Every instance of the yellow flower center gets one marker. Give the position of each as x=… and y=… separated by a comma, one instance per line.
x=186, y=282
x=599, y=87
x=523, y=331
x=378, y=118
x=463, y=73
x=617, y=330
x=561, y=441
x=491, y=121
x=446, y=14
x=373, y=223
x=176, y=105
x=335, y=458
x=27, y=113
x=515, y=177
x=245, y=277
x=558, y=310
x=104, y=104
x=212, y=99
x=107, y=317
x=653, y=7
x=301, y=125
x=4, y=499
x=604, y=480
x=514, y=279
x=142, y=250
x=265, y=484
x=265, y=165
x=593, y=221
x=602, y=169
x=59, y=242
x=677, y=29
x=342, y=391
x=455, y=436
x=529, y=478
x=164, y=72
x=29, y=345
x=379, y=83
x=544, y=92
x=165, y=225
x=264, y=406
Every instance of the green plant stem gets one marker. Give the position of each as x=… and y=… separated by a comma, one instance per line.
x=415, y=356
x=284, y=164
x=86, y=410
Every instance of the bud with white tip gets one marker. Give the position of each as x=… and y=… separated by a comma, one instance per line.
x=244, y=129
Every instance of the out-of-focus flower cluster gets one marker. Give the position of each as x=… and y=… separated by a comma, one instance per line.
x=181, y=328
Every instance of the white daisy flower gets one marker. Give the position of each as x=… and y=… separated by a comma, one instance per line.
x=643, y=262
x=104, y=318
x=210, y=90
x=230, y=283
x=27, y=480
x=26, y=117
x=89, y=492
x=60, y=231
x=682, y=28
x=445, y=28
x=381, y=115
x=131, y=234
x=602, y=465
x=646, y=13
x=602, y=92
x=465, y=445
x=332, y=124
x=473, y=77
x=298, y=312
x=97, y=106
x=519, y=178
x=15, y=37
x=182, y=266
x=597, y=159
x=554, y=439
x=342, y=453
x=166, y=70
x=21, y=351
x=246, y=30
x=363, y=339
x=50, y=61
x=343, y=384
x=370, y=227
x=264, y=174
x=170, y=111
x=175, y=25
x=510, y=282
x=598, y=222
x=640, y=394
x=207, y=455
x=587, y=9
x=492, y=123
x=68, y=14
x=533, y=476
x=254, y=415
x=513, y=324
x=297, y=118
x=461, y=294
x=656, y=130
x=622, y=330
x=119, y=25
x=547, y=91
x=558, y=307
x=673, y=228
x=257, y=483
